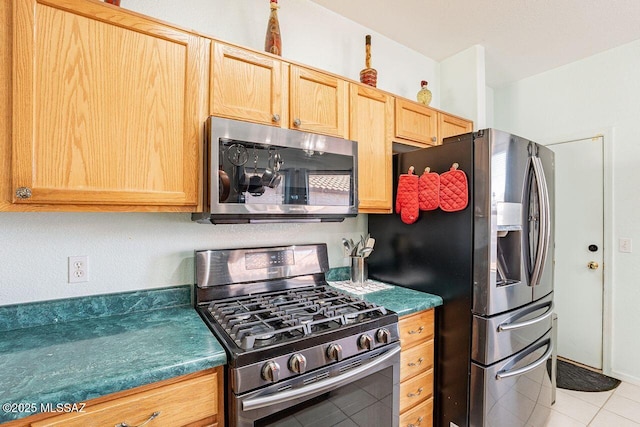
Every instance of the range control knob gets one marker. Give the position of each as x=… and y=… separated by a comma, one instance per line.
x=334, y=352
x=383, y=336
x=271, y=371
x=298, y=363
x=365, y=342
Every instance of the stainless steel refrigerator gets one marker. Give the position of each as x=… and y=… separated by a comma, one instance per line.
x=492, y=263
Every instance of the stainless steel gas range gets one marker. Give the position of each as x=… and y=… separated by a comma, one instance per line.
x=300, y=352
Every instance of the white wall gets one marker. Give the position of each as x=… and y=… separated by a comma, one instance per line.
x=463, y=85
x=146, y=250
x=311, y=35
x=597, y=94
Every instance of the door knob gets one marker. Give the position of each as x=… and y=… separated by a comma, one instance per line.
x=592, y=265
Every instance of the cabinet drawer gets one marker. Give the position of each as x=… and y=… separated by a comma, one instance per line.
x=421, y=415
x=416, y=390
x=417, y=327
x=416, y=360
x=178, y=404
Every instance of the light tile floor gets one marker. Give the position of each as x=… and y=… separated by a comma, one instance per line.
x=616, y=408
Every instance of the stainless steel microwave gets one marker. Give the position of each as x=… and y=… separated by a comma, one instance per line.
x=261, y=173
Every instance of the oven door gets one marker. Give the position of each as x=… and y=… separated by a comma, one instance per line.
x=360, y=391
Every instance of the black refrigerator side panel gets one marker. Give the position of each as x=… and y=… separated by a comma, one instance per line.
x=434, y=255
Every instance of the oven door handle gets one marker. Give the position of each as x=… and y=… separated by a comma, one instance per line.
x=517, y=325
x=317, y=387
x=514, y=373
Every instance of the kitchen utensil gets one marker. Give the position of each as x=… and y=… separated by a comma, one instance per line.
x=454, y=190
x=429, y=190
x=347, y=247
x=224, y=185
x=407, y=204
x=370, y=242
x=270, y=176
x=255, y=181
x=365, y=252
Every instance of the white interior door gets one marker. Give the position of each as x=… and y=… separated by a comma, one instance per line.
x=579, y=237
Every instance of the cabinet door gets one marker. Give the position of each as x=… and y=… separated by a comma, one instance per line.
x=416, y=124
x=108, y=108
x=451, y=126
x=318, y=102
x=247, y=86
x=371, y=123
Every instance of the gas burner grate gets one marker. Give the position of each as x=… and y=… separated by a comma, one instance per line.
x=274, y=317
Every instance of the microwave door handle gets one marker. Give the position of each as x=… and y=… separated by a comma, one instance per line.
x=514, y=373
x=544, y=220
x=317, y=387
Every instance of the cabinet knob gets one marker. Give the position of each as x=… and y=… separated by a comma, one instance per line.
x=276, y=118
x=434, y=139
x=23, y=193
x=592, y=265
x=297, y=123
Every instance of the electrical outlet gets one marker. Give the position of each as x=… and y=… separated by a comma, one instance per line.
x=78, y=269
x=624, y=245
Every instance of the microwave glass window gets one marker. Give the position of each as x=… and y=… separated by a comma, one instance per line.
x=267, y=174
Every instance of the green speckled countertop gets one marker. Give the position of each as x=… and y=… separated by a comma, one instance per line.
x=401, y=300
x=100, y=345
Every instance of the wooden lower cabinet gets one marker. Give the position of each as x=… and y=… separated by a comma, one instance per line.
x=416, y=369
x=194, y=400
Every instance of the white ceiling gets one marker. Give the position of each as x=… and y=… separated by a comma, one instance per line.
x=521, y=37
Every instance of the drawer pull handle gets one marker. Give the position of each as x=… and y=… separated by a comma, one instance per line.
x=151, y=418
x=418, y=393
x=416, y=364
x=419, y=331
x=418, y=422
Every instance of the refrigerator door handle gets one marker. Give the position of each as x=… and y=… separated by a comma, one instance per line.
x=514, y=373
x=517, y=325
x=545, y=226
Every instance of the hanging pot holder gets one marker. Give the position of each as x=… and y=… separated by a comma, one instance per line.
x=429, y=190
x=454, y=190
x=407, y=197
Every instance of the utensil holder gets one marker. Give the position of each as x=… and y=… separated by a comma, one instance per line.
x=358, y=269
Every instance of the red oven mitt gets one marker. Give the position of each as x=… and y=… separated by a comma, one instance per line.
x=428, y=190
x=407, y=197
x=454, y=190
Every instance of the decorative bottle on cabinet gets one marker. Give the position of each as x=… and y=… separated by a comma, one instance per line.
x=273, y=42
x=424, y=95
x=368, y=75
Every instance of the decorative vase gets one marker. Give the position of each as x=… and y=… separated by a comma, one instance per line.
x=368, y=75
x=273, y=42
x=424, y=95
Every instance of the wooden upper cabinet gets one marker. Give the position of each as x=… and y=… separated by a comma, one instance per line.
x=449, y=125
x=108, y=108
x=371, y=125
x=421, y=126
x=318, y=102
x=416, y=123
x=248, y=85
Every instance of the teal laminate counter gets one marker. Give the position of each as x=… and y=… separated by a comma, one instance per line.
x=70, y=351
x=401, y=300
